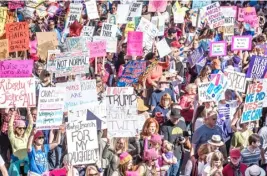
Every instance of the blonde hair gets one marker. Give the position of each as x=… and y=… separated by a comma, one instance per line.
x=168, y=146
x=125, y=147
x=89, y=168
x=164, y=97
x=216, y=156
x=190, y=86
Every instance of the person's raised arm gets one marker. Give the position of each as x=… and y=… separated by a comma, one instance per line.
x=11, y=126
x=3, y=167
x=54, y=145
x=30, y=140
x=30, y=125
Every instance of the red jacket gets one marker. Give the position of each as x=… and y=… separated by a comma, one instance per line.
x=229, y=171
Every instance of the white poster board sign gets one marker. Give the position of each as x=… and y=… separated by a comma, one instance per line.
x=236, y=80
x=82, y=142
x=108, y=30
x=91, y=9
x=50, y=108
x=111, y=43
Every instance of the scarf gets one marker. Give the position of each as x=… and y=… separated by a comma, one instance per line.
x=236, y=169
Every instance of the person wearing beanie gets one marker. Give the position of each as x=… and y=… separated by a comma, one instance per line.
x=126, y=164
x=148, y=167
x=235, y=167
x=37, y=152
x=18, y=135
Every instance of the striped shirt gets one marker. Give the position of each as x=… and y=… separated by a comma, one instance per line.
x=249, y=157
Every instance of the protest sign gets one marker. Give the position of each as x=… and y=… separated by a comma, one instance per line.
x=179, y=12
x=88, y=31
x=241, y=43
x=51, y=62
x=112, y=19
x=218, y=49
x=130, y=26
x=108, y=30
x=82, y=142
x=196, y=55
x=50, y=108
x=217, y=87
x=157, y=5
x=202, y=92
x=52, y=10
x=79, y=92
x=111, y=43
x=41, y=11
x=75, y=10
x=236, y=80
x=163, y=48
x=121, y=106
x=255, y=96
x=132, y=70
x=257, y=67
x=135, y=10
x=3, y=17
x=71, y=64
x=135, y=44
x=16, y=68
x=15, y=4
x=43, y=48
x=18, y=36
x=199, y=4
x=43, y=37
x=224, y=118
x=229, y=14
x=123, y=11
x=97, y=49
x=91, y=9
x=90, y=111
x=214, y=15
x=4, y=53
x=150, y=31
x=76, y=44
x=17, y=92
x=249, y=16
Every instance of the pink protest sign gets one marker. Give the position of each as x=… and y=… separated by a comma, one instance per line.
x=249, y=16
x=97, y=49
x=135, y=44
x=218, y=49
x=16, y=68
x=157, y=5
x=15, y=4
x=241, y=43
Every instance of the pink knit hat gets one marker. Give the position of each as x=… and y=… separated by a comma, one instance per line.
x=132, y=173
x=125, y=157
x=155, y=138
x=19, y=123
x=150, y=154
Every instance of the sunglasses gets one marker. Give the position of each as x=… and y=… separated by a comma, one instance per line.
x=42, y=137
x=21, y=128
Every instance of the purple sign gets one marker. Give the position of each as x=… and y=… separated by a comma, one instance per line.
x=196, y=56
x=257, y=67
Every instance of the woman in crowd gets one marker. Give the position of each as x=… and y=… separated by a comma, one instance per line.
x=163, y=108
x=126, y=164
x=148, y=167
x=18, y=135
x=204, y=75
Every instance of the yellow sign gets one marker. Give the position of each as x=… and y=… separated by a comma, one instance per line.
x=130, y=26
x=3, y=13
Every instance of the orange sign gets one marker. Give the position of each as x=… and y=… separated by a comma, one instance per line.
x=18, y=36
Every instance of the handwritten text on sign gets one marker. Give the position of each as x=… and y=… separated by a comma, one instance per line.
x=19, y=92
x=18, y=36
x=82, y=142
x=217, y=49
x=236, y=81
x=74, y=13
x=50, y=108
x=4, y=53
x=79, y=92
x=214, y=15
x=202, y=92
x=121, y=105
x=241, y=43
x=16, y=68
x=108, y=30
x=97, y=49
x=254, y=102
x=71, y=63
x=135, y=44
